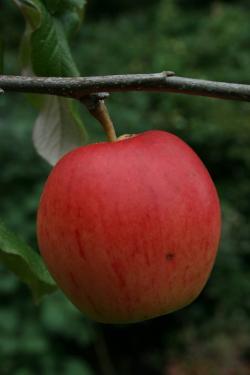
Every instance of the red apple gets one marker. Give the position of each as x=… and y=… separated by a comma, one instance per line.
x=130, y=229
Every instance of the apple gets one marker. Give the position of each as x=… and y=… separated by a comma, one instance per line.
x=130, y=229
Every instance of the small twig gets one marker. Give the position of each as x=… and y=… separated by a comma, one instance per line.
x=159, y=82
x=96, y=106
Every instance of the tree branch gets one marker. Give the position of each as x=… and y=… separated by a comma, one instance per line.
x=78, y=87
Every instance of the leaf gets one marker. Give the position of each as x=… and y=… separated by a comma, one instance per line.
x=25, y=263
x=45, y=52
x=32, y=11
x=57, y=129
x=45, y=44
x=69, y=12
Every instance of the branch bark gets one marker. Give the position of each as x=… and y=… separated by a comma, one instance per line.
x=79, y=87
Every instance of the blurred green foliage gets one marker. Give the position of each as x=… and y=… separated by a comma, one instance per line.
x=202, y=39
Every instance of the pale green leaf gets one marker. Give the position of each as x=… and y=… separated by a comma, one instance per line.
x=57, y=129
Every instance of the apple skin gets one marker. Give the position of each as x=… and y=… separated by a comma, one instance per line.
x=130, y=230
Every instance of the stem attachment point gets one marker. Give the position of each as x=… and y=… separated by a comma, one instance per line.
x=96, y=106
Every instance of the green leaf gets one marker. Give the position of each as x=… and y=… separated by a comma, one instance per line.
x=57, y=129
x=45, y=44
x=45, y=52
x=50, y=53
x=69, y=12
x=25, y=263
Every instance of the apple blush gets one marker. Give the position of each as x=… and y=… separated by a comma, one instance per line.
x=130, y=229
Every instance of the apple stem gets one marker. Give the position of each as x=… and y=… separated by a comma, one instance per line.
x=96, y=106
x=102, y=115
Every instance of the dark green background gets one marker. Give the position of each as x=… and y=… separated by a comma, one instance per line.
x=201, y=39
